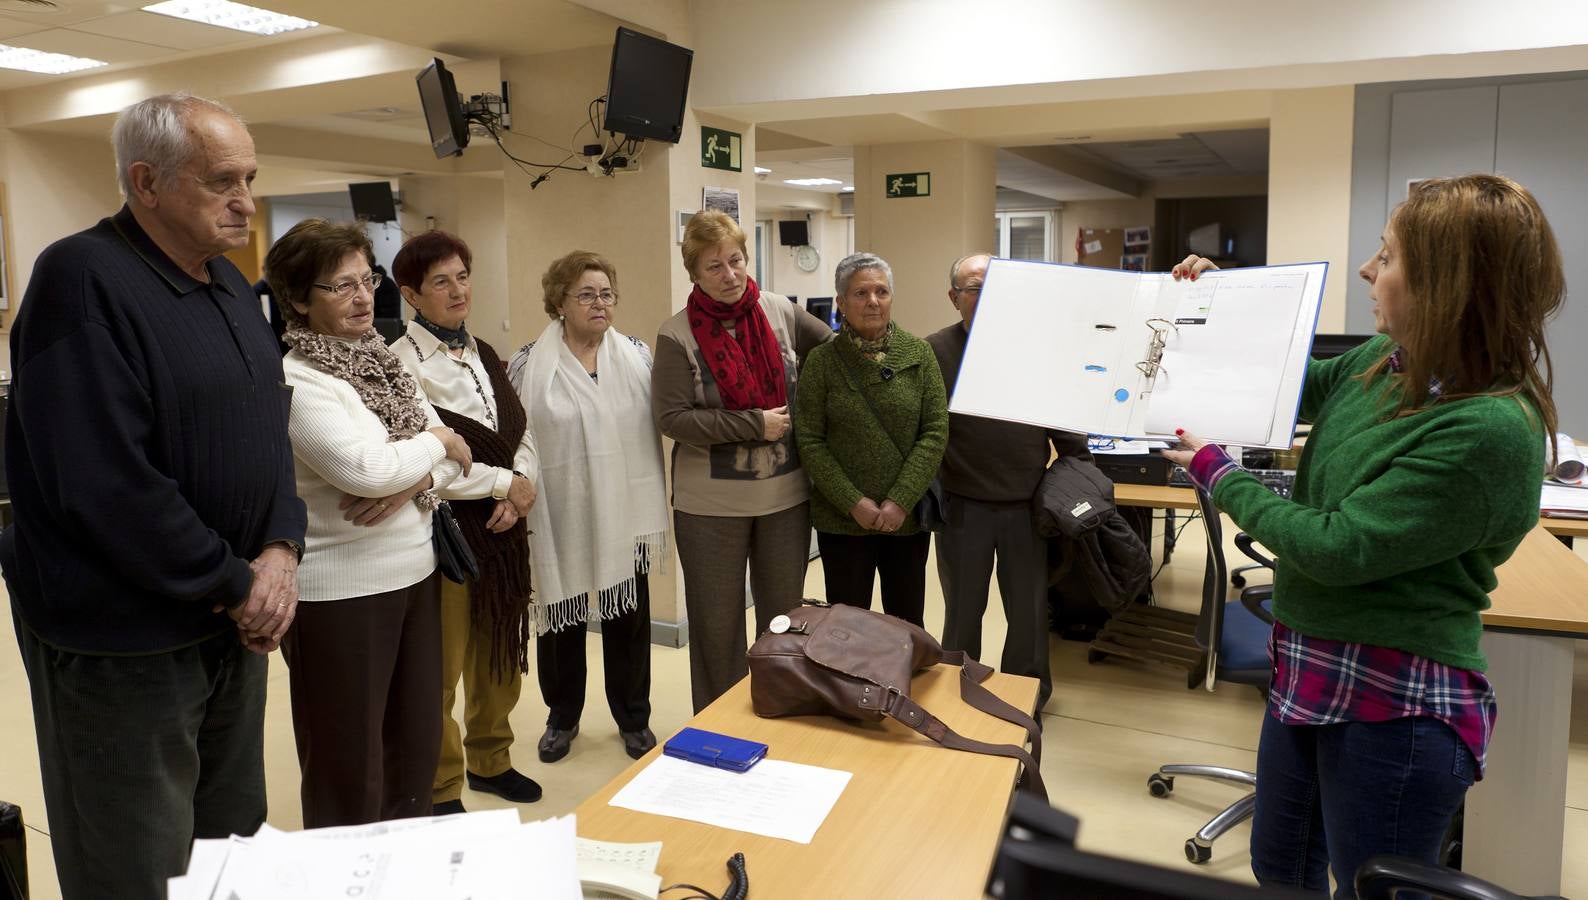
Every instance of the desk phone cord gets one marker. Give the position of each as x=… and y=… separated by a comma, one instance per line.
x=738, y=884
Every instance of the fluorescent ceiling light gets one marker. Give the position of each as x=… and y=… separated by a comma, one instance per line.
x=811, y=182
x=847, y=187
x=226, y=14
x=44, y=63
x=762, y=170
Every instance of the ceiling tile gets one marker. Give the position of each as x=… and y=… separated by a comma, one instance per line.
x=93, y=46
x=70, y=12
x=163, y=31
x=10, y=27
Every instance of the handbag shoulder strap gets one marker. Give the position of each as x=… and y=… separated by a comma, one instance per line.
x=860, y=387
x=903, y=709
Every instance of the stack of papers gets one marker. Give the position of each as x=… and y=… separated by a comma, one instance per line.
x=776, y=798
x=1561, y=501
x=477, y=856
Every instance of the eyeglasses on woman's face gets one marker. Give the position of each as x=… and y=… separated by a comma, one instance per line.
x=589, y=297
x=344, y=290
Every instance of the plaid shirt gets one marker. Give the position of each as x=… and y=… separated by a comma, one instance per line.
x=1323, y=682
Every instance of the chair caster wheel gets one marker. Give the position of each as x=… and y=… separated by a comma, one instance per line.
x=1196, y=853
x=1238, y=580
x=1160, y=785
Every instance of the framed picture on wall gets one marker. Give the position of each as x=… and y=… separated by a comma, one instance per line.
x=684, y=215
x=723, y=199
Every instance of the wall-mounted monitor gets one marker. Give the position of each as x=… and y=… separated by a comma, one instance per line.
x=647, y=86
x=373, y=201
x=822, y=308
x=1206, y=240
x=793, y=233
x=438, y=97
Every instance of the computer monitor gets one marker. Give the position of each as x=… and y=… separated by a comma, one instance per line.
x=793, y=232
x=438, y=97
x=1037, y=858
x=373, y=201
x=1328, y=346
x=647, y=86
x=822, y=308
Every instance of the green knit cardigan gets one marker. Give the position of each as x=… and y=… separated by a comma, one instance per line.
x=1395, y=526
x=841, y=445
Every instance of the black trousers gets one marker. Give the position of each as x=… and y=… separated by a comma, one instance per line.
x=850, y=564
x=142, y=754
x=365, y=674
x=625, y=661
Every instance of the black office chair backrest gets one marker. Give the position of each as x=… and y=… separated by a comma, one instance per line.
x=1386, y=877
x=1215, y=574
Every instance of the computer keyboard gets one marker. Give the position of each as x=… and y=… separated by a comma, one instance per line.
x=1280, y=481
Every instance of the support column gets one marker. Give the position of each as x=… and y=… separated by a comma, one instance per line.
x=1309, y=188
x=921, y=236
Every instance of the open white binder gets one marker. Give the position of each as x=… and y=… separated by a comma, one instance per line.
x=1134, y=355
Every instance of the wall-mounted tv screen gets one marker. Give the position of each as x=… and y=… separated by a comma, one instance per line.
x=647, y=87
x=793, y=232
x=373, y=201
x=438, y=97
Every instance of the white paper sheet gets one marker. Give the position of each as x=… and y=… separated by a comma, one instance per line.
x=1561, y=501
x=776, y=798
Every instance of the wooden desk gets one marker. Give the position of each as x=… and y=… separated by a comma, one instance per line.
x=1161, y=496
x=916, y=820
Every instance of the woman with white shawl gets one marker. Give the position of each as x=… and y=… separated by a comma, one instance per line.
x=602, y=515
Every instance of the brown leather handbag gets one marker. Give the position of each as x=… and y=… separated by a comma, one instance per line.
x=856, y=664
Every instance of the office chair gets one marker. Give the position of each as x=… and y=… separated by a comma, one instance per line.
x=1233, y=635
x=1387, y=877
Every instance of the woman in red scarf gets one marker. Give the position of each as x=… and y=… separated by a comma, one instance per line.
x=721, y=388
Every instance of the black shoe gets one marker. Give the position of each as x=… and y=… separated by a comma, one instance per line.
x=637, y=743
x=510, y=785
x=448, y=808
x=555, y=743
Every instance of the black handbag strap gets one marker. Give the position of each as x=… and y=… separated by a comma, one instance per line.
x=860, y=387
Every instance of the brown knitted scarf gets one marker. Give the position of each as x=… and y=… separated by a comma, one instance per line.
x=377, y=375
x=500, y=598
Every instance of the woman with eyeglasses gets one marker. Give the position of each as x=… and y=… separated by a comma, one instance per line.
x=364, y=653
x=726, y=368
x=486, y=624
x=601, y=520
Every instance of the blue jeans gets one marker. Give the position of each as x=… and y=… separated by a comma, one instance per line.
x=1335, y=795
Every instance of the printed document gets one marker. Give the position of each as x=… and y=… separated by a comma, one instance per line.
x=775, y=798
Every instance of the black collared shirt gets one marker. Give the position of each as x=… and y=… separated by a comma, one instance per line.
x=146, y=445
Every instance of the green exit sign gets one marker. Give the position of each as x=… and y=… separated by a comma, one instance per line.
x=909, y=184
x=720, y=149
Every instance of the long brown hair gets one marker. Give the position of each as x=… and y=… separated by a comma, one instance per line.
x=1484, y=275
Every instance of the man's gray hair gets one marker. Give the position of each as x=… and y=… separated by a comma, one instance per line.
x=953, y=271
x=154, y=131
x=849, y=265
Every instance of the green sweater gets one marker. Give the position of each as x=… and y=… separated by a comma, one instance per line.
x=1395, y=525
x=841, y=446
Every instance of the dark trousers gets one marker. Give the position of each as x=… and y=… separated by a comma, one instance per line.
x=976, y=534
x=1335, y=795
x=850, y=564
x=713, y=552
x=366, y=704
x=142, y=754
x=625, y=660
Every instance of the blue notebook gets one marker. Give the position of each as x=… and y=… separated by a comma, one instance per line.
x=716, y=750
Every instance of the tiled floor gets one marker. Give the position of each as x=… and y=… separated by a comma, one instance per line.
x=1106, y=727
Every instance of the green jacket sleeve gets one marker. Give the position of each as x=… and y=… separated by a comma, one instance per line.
x=810, y=431
x=1429, y=505
x=1323, y=375
x=920, y=466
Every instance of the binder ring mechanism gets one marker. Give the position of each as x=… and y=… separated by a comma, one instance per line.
x=1153, y=364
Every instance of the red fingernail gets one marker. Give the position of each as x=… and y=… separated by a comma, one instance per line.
x=1179, y=431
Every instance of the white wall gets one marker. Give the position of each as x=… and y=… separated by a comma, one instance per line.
x=1309, y=196
x=473, y=209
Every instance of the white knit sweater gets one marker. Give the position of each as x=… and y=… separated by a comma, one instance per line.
x=339, y=446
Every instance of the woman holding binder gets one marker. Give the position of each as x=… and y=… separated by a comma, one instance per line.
x=1419, y=478
x=872, y=424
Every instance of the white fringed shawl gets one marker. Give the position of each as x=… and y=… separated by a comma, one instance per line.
x=601, y=512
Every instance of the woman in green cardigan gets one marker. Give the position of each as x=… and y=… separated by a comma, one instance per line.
x=871, y=423
x=1420, y=477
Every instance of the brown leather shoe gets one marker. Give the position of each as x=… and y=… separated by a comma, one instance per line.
x=637, y=743
x=555, y=743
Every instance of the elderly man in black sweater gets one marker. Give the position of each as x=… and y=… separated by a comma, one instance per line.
x=989, y=472
x=153, y=559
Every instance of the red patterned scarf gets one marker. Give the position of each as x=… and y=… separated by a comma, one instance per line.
x=747, y=364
